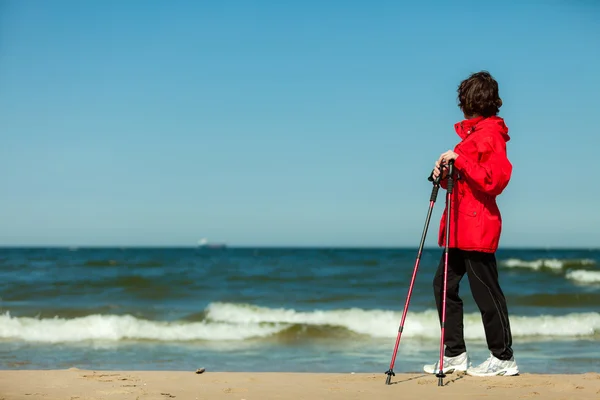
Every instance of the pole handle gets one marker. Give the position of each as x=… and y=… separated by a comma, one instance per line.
x=437, y=180
x=450, y=178
x=436, y=183
x=436, y=186
x=434, y=193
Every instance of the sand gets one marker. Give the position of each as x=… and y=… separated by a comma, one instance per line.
x=75, y=384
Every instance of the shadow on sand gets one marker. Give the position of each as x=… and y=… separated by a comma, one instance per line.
x=446, y=382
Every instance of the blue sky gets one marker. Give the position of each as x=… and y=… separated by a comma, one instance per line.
x=264, y=123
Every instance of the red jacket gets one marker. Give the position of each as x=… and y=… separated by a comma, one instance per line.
x=484, y=171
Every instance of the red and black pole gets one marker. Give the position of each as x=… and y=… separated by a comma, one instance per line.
x=441, y=374
x=434, y=193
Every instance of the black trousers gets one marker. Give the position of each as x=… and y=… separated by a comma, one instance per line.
x=482, y=270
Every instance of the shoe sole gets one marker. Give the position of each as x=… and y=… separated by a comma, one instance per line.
x=504, y=372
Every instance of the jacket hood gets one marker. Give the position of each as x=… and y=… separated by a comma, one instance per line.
x=465, y=127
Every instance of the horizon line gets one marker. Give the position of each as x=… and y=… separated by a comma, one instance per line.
x=299, y=247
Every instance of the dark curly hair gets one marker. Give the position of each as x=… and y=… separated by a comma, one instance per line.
x=478, y=95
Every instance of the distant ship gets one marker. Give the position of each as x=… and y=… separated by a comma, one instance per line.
x=204, y=244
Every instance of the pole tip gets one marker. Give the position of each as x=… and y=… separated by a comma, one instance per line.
x=389, y=374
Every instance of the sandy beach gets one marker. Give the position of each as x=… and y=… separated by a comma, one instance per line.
x=75, y=384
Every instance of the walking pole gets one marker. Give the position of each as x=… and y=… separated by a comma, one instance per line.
x=434, y=192
x=441, y=374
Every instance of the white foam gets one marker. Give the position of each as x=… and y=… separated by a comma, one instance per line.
x=119, y=327
x=549, y=263
x=227, y=321
x=584, y=276
x=384, y=323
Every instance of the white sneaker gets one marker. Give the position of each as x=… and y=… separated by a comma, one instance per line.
x=451, y=364
x=494, y=366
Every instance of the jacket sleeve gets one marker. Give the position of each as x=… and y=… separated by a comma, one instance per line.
x=491, y=173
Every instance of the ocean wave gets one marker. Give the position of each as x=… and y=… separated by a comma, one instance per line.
x=384, y=323
x=228, y=321
x=553, y=264
x=124, y=327
x=584, y=276
x=116, y=263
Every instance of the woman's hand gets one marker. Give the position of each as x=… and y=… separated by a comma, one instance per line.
x=447, y=156
x=444, y=159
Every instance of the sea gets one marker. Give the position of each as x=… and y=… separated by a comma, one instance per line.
x=280, y=309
